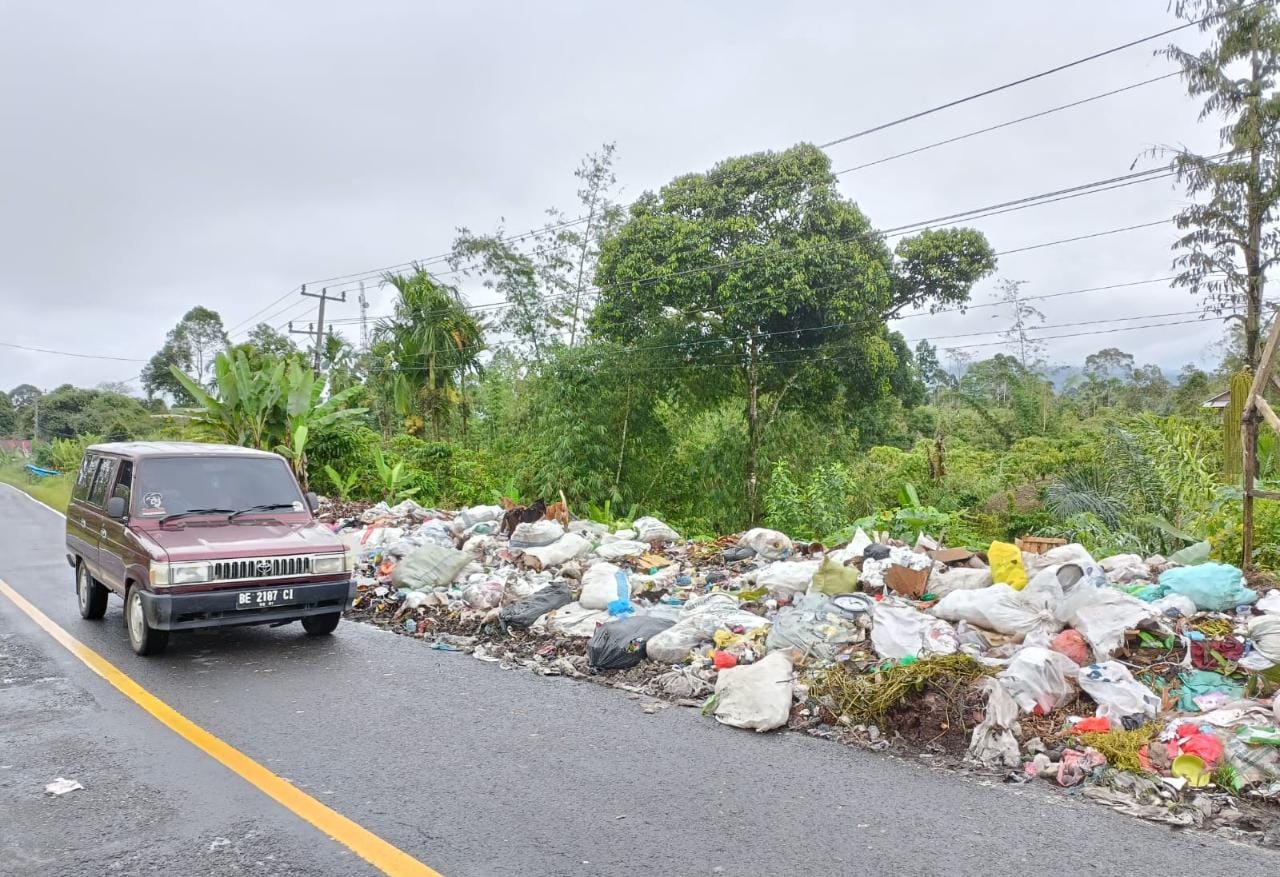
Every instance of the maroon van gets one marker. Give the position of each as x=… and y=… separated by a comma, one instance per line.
x=194, y=535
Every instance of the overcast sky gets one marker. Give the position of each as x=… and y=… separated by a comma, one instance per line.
x=161, y=155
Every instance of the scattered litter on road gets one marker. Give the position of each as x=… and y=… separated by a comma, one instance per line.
x=62, y=785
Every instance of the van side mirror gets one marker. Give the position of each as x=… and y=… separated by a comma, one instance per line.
x=313, y=501
x=116, y=507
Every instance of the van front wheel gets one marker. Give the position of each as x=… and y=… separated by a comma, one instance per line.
x=91, y=596
x=319, y=625
x=145, y=639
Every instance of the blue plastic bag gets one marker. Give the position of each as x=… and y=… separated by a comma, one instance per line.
x=1213, y=587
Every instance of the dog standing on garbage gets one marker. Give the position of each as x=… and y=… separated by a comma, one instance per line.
x=517, y=515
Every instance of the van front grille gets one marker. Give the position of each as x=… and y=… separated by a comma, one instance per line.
x=242, y=568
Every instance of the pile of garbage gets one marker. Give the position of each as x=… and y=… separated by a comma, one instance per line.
x=1149, y=683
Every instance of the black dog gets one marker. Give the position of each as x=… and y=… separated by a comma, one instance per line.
x=535, y=511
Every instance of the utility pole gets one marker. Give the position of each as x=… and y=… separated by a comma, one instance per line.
x=364, y=320
x=35, y=438
x=318, y=329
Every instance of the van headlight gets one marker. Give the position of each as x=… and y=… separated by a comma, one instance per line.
x=327, y=564
x=159, y=574
x=188, y=573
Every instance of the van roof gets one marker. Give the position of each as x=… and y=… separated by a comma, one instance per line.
x=176, y=449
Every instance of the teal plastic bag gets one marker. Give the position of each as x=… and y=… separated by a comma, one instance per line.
x=1196, y=683
x=1213, y=587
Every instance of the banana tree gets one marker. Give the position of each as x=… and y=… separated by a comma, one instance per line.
x=304, y=411
x=243, y=408
x=270, y=406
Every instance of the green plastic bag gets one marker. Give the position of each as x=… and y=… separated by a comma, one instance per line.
x=833, y=578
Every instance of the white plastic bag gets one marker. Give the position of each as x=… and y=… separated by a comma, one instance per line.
x=902, y=631
x=1184, y=606
x=1073, y=553
x=571, y=620
x=564, y=549
x=1039, y=677
x=536, y=534
x=961, y=578
x=787, y=576
x=1265, y=633
x=858, y=544
x=1121, y=569
x=756, y=696
x=482, y=594
x=1102, y=615
x=673, y=645
x=620, y=548
x=994, y=742
x=769, y=544
x=652, y=530
x=1270, y=603
x=1117, y=693
x=999, y=608
x=601, y=585
x=468, y=518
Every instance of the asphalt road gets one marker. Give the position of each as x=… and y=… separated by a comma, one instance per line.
x=471, y=769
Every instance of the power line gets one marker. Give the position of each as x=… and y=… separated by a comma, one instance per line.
x=68, y=353
x=898, y=231
x=374, y=273
x=869, y=322
x=1085, y=237
x=1008, y=85
x=269, y=304
x=1011, y=122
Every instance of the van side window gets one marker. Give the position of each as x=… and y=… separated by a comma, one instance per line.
x=98, y=493
x=124, y=482
x=84, y=479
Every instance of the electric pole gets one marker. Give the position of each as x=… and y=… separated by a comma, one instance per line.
x=317, y=330
x=364, y=320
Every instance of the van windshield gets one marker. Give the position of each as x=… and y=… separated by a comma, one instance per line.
x=173, y=485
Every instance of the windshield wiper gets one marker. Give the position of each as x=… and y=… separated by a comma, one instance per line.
x=265, y=507
x=189, y=512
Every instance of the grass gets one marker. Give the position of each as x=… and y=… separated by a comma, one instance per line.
x=867, y=697
x=54, y=491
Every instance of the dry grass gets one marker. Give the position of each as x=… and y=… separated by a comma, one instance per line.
x=862, y=698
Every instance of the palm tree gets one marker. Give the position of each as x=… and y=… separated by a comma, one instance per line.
x=431, y=342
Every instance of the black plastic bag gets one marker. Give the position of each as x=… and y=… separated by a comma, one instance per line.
x=621, y=644
x=525, y=612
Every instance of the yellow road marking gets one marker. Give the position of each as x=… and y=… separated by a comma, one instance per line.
x=364, y=843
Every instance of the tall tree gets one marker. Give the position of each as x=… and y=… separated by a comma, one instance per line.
x=930, y=370
x=763, y=279
x=426, y=347
x=190, y=347
x=603, y=216
x=544, y=277
x=269, y=341
x=1229, y=238
x=1023, y=318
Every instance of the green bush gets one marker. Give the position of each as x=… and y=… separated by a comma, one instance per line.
x=349, y=448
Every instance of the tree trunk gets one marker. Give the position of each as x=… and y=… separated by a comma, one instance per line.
x=582, y=260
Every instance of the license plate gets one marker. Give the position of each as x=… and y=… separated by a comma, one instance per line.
x=265, y=598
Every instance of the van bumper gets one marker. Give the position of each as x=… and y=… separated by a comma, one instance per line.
x=223, y=608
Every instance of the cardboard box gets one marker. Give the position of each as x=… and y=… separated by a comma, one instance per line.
x=907, y=582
